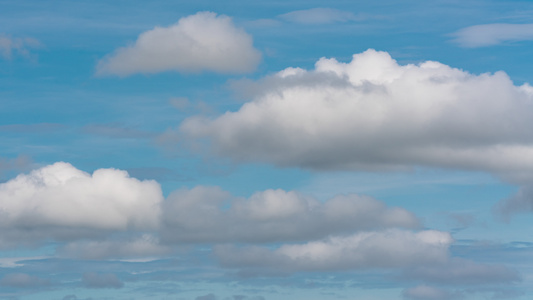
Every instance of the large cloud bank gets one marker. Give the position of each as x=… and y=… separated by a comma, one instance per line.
x=201, y=42
x=374, y=114
x=61, y=202
x=109, y=215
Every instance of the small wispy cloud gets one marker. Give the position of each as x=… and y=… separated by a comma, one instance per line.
x=319, y=16
x=11, y=46
x=201, y=42
x=492, y=34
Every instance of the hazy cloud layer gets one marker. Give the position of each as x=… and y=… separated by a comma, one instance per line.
x=23, y=280
x=424, y=292
x=492, y=34
x=458, y=272
x=101, y=281
x=208, y=214
x=375, y=249
x=200, y=42
x=143, y=246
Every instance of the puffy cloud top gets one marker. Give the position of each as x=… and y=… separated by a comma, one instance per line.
x=61, y=195
x=374, y=114
x=201, y=42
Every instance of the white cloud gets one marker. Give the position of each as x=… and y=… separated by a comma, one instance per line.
x=208, y=214
x=374, y=114
x=319, y=16
x=200, y=42
x=10, y=46
x=60, y=201
x=365, y=250
x=492, y=34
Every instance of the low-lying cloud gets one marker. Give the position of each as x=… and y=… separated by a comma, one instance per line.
x=208, y=214
x=375, y=249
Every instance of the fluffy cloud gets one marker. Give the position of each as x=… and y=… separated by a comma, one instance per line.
x=9, y=46
x=101, y=281
x=319, y=16
x=374, y=114
x=201, y=42
x=374, y=249
x=208, y=214
x=492, y=34
x=60, y=201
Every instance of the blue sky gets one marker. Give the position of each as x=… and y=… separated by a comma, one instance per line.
x=246, y=150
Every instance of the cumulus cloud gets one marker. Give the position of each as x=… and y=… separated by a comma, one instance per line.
x=60, y=201
x=200, y=42
x=492, y=34
x=318, y=16
x=11, y=46
x=23, y=280
x=208, y=214
x=365, y=250
x=374, y=114
x=101, y=281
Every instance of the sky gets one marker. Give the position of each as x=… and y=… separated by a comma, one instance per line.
x=266, y=150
